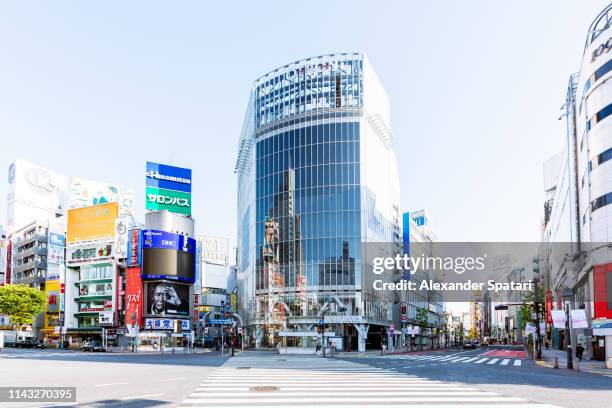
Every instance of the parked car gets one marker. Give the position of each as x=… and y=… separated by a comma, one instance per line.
x=92, y=346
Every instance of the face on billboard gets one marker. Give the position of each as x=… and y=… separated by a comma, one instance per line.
x=167, y=297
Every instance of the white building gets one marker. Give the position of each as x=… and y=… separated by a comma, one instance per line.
x=578, y=189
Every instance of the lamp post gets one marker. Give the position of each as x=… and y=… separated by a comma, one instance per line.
x=567, y=297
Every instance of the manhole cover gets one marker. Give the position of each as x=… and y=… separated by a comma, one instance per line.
x=265, y=388
x=243, y=368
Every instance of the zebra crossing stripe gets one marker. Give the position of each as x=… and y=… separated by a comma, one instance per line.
x=469, y=360
x=505, y=361
x=482, y=360
x=517, y=363
x=493, y=361
x=459, y=359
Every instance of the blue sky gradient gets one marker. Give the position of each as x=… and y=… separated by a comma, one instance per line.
x=95, y=89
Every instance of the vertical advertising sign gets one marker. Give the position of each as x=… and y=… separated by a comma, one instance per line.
x=549, y=306
x=121, y=238
x=168, y=188
x=133, y=296
x=197, y=285
x=134, y=256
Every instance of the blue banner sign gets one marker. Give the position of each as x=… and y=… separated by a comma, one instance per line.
x=220, y=321
x=168, y=177
x=167, y=240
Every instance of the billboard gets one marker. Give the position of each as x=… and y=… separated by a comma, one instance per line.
x=52, y=292
x=215, y=250
x=168, y=264
x=85, y=193
x=167, y=177
x=167, y=298
x=165, y=324
x=95, y=252
x=133, y=296
x=167, y=240
x=168, y=188
x=134, y=256
x=92, y=223
x=121, y=238
x=34, y=193
x=173, y=201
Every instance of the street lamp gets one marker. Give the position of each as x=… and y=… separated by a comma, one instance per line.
x=567, y=297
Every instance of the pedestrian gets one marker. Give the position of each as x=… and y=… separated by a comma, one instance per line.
x=318, y=349
x=579, y=351
x=546, y=344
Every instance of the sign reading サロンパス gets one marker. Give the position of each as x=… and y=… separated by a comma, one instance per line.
x=168, y=188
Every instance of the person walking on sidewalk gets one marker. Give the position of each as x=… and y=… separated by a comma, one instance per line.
x=579, y=351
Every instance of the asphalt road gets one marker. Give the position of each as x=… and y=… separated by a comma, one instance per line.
x=539, y=384
x=463, y=378
x=108, y=379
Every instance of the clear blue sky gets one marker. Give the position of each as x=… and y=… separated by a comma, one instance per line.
x=95, y=89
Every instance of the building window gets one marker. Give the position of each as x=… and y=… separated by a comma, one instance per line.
x=601, y=201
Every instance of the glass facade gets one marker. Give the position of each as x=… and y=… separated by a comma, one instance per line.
x=305, y=204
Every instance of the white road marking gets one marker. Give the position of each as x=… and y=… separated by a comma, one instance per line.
x=109, y=384
x=171, y=379
x=505, y=361
x=482, y=360
x=493, y=361
x=142, y=396
x=517, y=363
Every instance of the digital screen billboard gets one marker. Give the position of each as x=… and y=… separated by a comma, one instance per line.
x=160, y=263
x=167, y=298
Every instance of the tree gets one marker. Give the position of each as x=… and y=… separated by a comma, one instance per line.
x=422, y=319
x=21, y=303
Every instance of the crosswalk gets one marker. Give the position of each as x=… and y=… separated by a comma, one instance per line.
x=455, y=358
x=315, y=382
x=51, y=354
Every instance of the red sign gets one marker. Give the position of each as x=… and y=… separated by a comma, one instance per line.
x=549, y=306
x=9, y=254
x=196, y=301
x=602, y=274
x=108, y=304
x=133, y=296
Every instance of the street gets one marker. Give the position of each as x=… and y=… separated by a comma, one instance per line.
x=253, y=379
x=108, y=379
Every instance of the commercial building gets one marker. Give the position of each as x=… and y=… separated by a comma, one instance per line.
x=213, y=302
x=317, y=178
x=578, y=190
x=3, y=251
x=95, y=246
x=168, y=261
x=421, y=314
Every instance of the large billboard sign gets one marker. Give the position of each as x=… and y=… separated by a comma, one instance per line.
x=34, y=193
x=215, y=250
x=167, y=298
x=85, y=193
x=92, y=223
x=168, y=188
x=133, y=296
x=89, y=253
x=134, y=256
x=167, y=240
x=168, y=264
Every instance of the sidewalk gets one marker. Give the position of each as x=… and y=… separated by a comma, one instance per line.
x=387, y=353
x=589, y=366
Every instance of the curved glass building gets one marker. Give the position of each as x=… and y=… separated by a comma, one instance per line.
x=317, y=177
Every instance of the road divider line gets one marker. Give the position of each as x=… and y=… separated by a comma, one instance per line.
x=109, y=384
x=142, y=396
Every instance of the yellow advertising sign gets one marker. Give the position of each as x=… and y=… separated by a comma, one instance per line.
x=52, y=296
x=92, y=223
